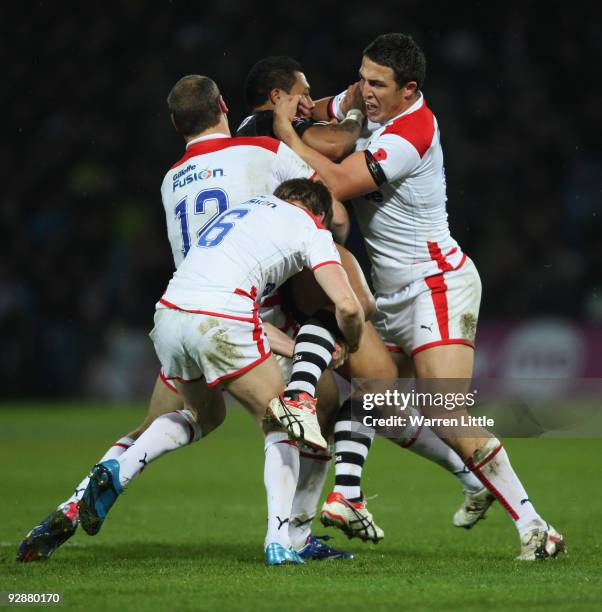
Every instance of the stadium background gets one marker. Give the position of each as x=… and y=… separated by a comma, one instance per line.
x=87, y=140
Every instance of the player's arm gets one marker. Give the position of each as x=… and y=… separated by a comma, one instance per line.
x=349, y=179
x=280, y=343
x=321, y=110
x=358, y=283
x=335, y=141
x=348, y=311
x=336, y=107
x=340, y=223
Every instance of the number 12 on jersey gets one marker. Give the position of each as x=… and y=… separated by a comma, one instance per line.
x=203, y=200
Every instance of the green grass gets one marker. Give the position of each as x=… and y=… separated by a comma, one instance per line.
x=188, y=534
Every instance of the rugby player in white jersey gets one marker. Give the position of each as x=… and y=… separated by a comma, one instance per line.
x=428, y=290
x=268, y=80
x=208, y=333
x=215, y=171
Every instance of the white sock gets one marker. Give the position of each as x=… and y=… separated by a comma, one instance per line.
x=166, y=433
x=313, y=469
x=491, y=465
x=280, y=476
x=425, y=442
x=114, y=451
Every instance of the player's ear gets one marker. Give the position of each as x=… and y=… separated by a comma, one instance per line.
x=275, y=95
x=173, y=122
x=222, y=105
x=409, y=89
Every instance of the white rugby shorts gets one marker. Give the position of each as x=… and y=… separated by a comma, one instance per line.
x=192, y=345
x=437, y=310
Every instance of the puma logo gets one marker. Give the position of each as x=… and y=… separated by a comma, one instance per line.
x=143, y=461
x=427, y=327
x=524, y=501
x=281, y=522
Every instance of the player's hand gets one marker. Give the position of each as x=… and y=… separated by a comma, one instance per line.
x=339, y=355
x=286, y=107
x=305, y=107
x=353, y=99
x=285, y=110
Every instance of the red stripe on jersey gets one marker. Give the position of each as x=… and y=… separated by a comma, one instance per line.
x=257, y=329
x=418, y=128
x=257, y=334
x=439, y=296
x=325, y=263
x=313, y=218
x=437, y=255
x=217, y=144
x=126, y=446
x=206, y=312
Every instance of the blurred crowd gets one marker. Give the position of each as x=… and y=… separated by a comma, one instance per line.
x=88, y=139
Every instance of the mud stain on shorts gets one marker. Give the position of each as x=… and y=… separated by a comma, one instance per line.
x=468, y=325
x=223, y=350
x=207, y=325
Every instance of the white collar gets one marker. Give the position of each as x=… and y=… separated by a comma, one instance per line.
x=208, y=137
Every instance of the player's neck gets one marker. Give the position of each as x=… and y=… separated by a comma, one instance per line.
x=220, y=128
x=405, y=105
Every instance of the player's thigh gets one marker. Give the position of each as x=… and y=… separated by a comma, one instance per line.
x=371, y=361
x=256, y=387
x=286, y=367
x=206, y=403
x=404, y=364
x=445, y=361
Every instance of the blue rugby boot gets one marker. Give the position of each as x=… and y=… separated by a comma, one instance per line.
x=49, y=534
x=100, y=495
x=316, y=549
x=276, y=554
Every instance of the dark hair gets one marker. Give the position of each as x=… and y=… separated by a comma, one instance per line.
x=400, y=53
x=274, y=72
x=193, y=102
x=312, y=194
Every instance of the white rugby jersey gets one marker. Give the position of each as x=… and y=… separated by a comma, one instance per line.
x=218, y=172
x=404, y=222
x=246, y=253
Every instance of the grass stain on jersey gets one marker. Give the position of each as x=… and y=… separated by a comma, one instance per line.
x=468, y=324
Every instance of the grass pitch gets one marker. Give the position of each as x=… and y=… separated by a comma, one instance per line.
x=188, y=534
